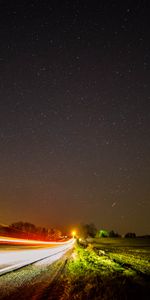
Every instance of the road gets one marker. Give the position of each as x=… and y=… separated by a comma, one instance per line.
x=12, y=259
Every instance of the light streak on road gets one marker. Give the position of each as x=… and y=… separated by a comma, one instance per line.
x=29, y=242
x=12, y=260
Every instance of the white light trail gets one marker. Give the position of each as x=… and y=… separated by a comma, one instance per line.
x=12, y=260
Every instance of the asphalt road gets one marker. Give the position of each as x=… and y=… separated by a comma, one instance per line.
x=12, y=258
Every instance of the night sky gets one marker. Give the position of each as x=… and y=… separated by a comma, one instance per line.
x=75, y=113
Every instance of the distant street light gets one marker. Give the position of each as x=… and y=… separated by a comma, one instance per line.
x=73, y=233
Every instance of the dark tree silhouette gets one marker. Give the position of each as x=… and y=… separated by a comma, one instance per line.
x=112, y=234
x=130, y=235
x=29, y=230
x=87, y=230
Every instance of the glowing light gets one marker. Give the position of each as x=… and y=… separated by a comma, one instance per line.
x=73, y=233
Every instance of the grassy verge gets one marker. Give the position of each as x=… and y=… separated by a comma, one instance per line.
x=91, y=276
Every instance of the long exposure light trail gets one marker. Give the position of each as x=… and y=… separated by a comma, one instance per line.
x=12, y=260
x=33, y=242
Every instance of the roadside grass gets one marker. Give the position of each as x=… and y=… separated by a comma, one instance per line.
x=105, y=276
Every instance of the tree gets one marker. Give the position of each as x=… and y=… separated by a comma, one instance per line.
x=30, y=231
x=54, y=234
x=103, y=233
x=87, y=230
x=24, y=227
x=17, y=225
x=113, y=234
x=130, y=235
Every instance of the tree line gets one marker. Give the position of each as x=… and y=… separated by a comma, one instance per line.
x=90, y=230
x=30, y=231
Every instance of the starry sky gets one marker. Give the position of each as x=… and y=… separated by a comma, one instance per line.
x=75, y=113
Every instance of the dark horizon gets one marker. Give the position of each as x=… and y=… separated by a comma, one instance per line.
x=75, y=114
